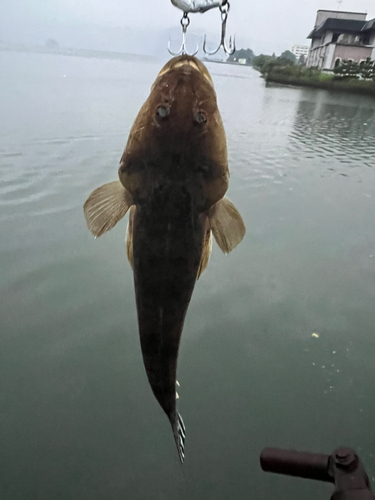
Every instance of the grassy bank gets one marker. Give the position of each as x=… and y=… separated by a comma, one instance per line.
x=294, y=75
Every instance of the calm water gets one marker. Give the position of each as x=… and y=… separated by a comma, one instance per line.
x=77, y=418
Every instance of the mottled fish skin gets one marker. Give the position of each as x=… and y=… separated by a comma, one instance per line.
x=178, y=131
x=164, y=276
x=175, y=168
x=174, y=175
x=167, y=250
x=167, y=245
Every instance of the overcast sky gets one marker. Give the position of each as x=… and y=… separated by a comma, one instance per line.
x=265, y=26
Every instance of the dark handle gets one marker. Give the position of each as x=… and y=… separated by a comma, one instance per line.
x=297, y=464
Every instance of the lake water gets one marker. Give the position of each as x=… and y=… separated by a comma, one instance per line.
x=77, y=417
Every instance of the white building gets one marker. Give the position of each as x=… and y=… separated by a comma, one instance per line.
x=338, y=36
x=300, y=50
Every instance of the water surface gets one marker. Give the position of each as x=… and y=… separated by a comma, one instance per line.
x=77, y=417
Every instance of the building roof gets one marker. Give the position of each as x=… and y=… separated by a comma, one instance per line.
x=342, y=25
x=369, y=25
x=344, y=12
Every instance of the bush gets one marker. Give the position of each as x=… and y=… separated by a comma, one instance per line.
x=293, y=72
x=262, y=60
x=347, y=69
x=367, y=69
x=346, y=76
x=325, y=77
x=278, y=64
x=297, y=75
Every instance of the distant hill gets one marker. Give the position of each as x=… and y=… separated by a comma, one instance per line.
x=51, y=44
x=150, y=41
x=66, y=51
x=246, y=54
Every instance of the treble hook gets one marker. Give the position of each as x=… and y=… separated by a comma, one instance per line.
x=231, y=49
x=185, y=21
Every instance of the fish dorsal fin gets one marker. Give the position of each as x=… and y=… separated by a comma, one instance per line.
x=129, y=237
x=206, y=251
x=106, y=206
x=227, y=225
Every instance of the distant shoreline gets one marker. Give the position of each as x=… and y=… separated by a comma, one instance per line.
x=204, y=59
x=89, y=54
x=95, y=54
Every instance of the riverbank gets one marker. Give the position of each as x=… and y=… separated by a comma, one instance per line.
x=323, y=81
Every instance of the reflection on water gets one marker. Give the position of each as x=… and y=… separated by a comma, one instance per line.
x=340, y=134
x=77, y=417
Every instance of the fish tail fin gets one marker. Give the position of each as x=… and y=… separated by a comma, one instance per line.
x=179, y=433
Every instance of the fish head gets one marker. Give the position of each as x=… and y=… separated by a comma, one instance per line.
x=184, y=102
x=178, y=135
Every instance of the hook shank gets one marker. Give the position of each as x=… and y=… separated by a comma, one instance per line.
x=185, y=21
x=229, y=49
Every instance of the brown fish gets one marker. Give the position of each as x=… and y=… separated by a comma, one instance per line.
x=173, y=177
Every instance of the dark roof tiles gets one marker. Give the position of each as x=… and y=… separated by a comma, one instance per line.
x=343, y=25
x=369, y=25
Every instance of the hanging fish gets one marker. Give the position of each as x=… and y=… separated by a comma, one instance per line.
x=173, y=178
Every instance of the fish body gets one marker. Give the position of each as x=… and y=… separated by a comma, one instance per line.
x=173, y=177
x=165, y=272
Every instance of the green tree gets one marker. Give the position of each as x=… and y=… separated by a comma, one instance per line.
x=287, y=54
x=302, y=59
x=279, y=65
x=284, y=61
x=261, y=60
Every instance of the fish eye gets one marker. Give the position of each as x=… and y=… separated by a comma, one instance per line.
x=200, y=117
x=162, y=111
x=203, y=169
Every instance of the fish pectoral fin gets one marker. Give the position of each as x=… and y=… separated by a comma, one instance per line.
x=129, y=237
x=106, y=206
x=227, y=225
x=206, y=252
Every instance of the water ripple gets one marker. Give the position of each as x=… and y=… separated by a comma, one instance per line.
x=347, y=141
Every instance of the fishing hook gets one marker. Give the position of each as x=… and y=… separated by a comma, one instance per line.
x=231, y=48
x=185, y=21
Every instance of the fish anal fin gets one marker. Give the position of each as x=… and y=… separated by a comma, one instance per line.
x=106, y=206
x=129, y=237
x=227, y=225
x=206, y=252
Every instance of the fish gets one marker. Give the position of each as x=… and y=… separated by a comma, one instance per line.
x=173, y=176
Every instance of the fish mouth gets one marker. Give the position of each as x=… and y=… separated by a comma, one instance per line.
x=183, y=61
